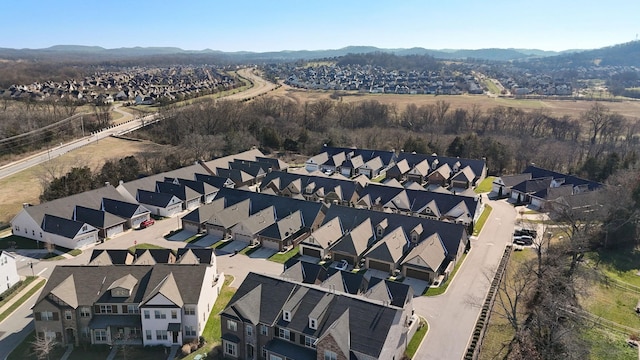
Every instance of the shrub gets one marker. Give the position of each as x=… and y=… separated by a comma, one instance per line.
x=186, y=349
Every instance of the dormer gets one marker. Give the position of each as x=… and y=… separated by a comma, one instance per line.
x=381, y=227
x=313, y=323
x=286, y=315
x=416, y=232
x=434, y=164
x=123, y=287
x=456, y=167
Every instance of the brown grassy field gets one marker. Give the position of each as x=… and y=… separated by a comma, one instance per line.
x=25, y=186
x=630, y=109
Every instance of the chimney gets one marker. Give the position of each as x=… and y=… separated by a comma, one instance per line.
x=106, y=183
x=25, y=205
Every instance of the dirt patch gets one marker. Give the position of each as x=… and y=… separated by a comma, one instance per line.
x=25, y=186
x=573, y=108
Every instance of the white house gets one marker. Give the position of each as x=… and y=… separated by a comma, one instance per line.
x=8, y=271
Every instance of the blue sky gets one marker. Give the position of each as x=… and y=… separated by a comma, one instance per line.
x=274, y=25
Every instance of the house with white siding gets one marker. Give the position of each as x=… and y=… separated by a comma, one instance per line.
x=8, y=271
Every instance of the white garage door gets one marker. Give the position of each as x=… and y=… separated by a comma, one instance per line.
x=215, y=232
x=271, y=244
x=242, y=237
x=88, y=240
x=114, y=230
x=136, y=221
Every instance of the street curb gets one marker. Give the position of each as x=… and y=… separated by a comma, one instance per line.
x=20, y=294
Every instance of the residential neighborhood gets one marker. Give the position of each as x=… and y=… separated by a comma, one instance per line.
x=135, y=86
x=371, y=230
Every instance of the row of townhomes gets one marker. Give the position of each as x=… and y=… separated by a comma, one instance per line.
x=436, y=173
x=286, y=317
x=116, y=299
x=83, y=219
x=539, y=187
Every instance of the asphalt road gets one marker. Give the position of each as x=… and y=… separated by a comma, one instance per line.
x=261, y=86
x=452, y=315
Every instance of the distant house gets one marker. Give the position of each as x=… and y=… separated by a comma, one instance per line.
x=9, y=271
x=540, y=186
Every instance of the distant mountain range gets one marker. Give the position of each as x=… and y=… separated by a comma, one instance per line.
x=627, y=53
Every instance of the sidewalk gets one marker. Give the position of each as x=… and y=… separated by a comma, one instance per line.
x=15, y=298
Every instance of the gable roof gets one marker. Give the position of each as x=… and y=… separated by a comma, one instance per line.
x=110, y=257
x=91, y=282
x=537, y=172
x=288, y=226
x=204, y=212
x=364, y=324
x=327, y=234
x=284, y=206
x=431, y=252
x=64, y=207
x=166, y=287
x=63, y=227
x=205, y=255
x=390, y=248
x=155, y=198
x=450, y=233
x=512, y=180
x=356, y=240
x=478, y=166
x=181, y=191
x=123, y=209
x=98, y=218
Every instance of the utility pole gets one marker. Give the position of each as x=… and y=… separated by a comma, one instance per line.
x=82, y=124
x=31, y=266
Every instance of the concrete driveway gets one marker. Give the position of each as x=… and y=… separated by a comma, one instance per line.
x=262, y=253
x=205, y=241
x=452, y=315
x=182, y=235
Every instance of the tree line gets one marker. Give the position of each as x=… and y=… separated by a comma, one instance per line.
x=594, y=144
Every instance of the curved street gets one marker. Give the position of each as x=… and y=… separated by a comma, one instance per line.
x=126, y=124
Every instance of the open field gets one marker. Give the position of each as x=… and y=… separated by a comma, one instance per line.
x=25, y=186
x=630, y=109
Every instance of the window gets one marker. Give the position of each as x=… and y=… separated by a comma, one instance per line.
x=86, y=333
x=46, y=316
x=274, y=357
x=189, y=331
x=133, y=309
x=50, y=335
x=106, y=309
x=249, y=330
x=284, y=334
x=309, y=342
x=67, y=314
x=230, y=349
x=40, y=233
x=264, y=353
x=232, y=325
x=174, y=314
x=17, y=228
x=101, y=335
x=135, y=332
x=313, y=324
x=85, y=312
x=264, y=330
x=286, y=315
x=159, y=314
x=189, y=310
x=330, y=355
x=161, y=334
x=147, y=334
x=146, y=314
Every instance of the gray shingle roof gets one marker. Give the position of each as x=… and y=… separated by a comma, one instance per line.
x=365, y=323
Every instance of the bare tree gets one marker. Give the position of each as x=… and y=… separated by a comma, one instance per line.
x=43, y=346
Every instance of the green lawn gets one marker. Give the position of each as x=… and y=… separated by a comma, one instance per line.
x=613, y=303
x=21, y=300
x=606, y=345
x=416, y=340
x=250, y=250
x=144, y=246
x=23, y=284
x=483, y=219
x=621, y=264
x=493, y=88
x=378, y=178
x=220, y=244
x=284, y=257
x=486, y=185
x=443, y=287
